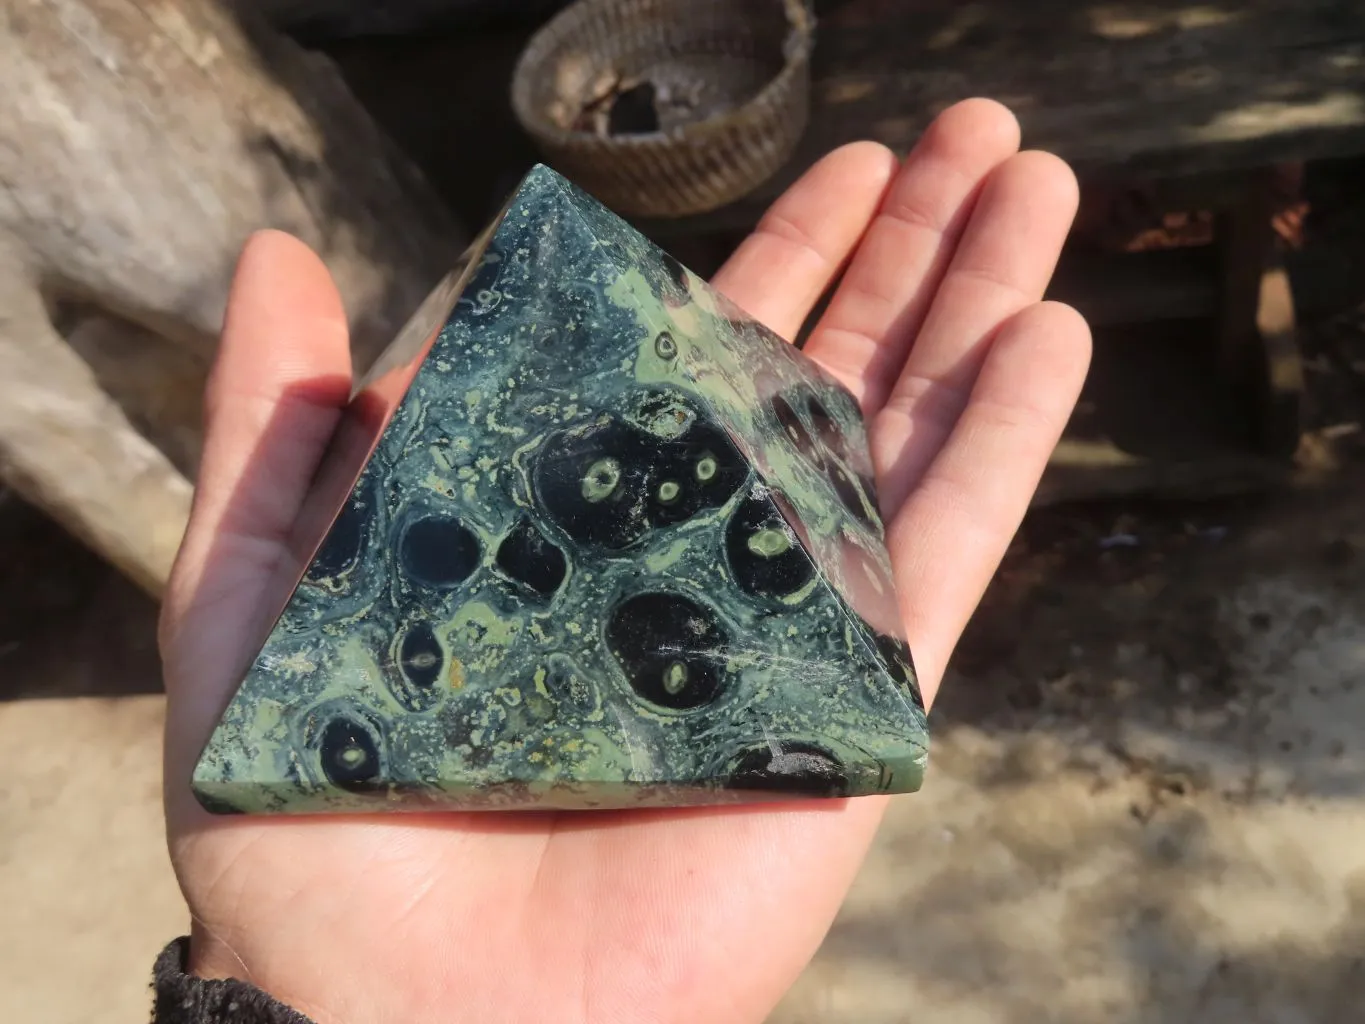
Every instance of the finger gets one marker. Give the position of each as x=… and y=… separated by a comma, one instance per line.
x=274, y=396
x=281, y=374
x=879, y=307
x=780, y=271
x=283, y=368
x=952, y=531
x=1002, y=265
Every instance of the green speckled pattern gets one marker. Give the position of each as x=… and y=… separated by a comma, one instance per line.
x=615, y=546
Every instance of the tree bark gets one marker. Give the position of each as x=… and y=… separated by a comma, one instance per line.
x=141, y=142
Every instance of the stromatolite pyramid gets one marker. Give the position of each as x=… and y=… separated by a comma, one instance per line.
x=593, y=538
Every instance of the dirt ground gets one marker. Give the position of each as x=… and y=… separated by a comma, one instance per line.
x=1148, y=796
x=1146, y=803
x=1146, y=799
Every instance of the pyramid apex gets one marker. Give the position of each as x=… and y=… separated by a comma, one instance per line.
x=541, y=178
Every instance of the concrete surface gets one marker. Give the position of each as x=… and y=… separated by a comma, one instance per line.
x=1147, y=800
x=85, y=884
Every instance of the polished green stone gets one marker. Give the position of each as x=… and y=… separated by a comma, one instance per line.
x=587, y=536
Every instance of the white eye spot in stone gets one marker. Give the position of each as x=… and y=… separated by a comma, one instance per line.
x=770, y=543
x=675, y=677
x=601, y=480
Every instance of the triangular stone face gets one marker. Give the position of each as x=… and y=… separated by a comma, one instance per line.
x=612, y=545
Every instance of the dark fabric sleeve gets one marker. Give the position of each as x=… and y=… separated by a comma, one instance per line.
x=183, y=999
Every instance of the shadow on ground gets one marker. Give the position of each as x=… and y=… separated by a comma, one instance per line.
x=1148, y=791
x=69, y=626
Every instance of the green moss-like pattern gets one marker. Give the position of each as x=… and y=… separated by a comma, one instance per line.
x=617, y=545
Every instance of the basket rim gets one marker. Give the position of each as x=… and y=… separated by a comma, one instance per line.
x=797, y=45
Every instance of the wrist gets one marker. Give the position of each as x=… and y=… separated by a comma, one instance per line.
x=209, y=958
x=184, y=996
x=212, y=959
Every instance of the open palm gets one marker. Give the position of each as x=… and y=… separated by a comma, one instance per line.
x=967, y=379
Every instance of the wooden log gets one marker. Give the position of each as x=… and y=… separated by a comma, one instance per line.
x=331, y=20
x=67, y=448
x=141, y=142
x=1159, y=89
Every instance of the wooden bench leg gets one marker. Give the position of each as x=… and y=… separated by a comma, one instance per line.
x=1279, y=391
x=1257, y=349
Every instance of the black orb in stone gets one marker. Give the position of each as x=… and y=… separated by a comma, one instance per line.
x=672, y=649
x=527, y=557
x=795, y=430
x=350, y=755
x=896, y=654
x=672, y=285
x=438, y=551
x=340, y=549
x=693, y=473
x=850, y=494
x=591, y=483
x=826, y=428
x=795, y=768
x=420, y=656
x=765, y=557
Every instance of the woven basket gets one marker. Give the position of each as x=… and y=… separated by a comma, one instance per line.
x=733, y=82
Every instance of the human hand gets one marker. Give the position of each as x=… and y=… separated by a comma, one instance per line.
x=701, y=914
